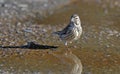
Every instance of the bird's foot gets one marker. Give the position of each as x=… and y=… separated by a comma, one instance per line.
x=68, y=50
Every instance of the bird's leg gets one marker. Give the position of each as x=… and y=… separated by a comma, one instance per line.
x=65, y=43
x=68, y=50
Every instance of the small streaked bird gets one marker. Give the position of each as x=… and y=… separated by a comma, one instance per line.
x=72, y=31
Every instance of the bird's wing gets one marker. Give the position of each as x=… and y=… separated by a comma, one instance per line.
x=66, y=29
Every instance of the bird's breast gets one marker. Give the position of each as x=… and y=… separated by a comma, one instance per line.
x=77, y=32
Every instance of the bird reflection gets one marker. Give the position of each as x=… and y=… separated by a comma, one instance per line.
x=76, y=68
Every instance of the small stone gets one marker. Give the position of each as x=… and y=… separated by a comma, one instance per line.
x=23, y=5
x=28, y=30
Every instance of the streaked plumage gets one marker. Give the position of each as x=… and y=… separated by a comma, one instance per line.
x=71, y=32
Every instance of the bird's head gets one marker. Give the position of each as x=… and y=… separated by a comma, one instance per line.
x=75, y=19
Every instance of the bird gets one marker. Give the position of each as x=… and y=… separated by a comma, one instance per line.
x=72, y=31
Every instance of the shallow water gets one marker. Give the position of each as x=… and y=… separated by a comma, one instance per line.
x=96, y=52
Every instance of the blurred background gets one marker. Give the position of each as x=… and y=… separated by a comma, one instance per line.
x=23, y=21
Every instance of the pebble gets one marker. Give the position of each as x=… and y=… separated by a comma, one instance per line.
x=28, y=30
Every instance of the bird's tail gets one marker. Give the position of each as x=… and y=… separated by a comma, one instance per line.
x=56, y=33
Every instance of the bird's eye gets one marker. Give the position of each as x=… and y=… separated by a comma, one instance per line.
x=76, y=18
